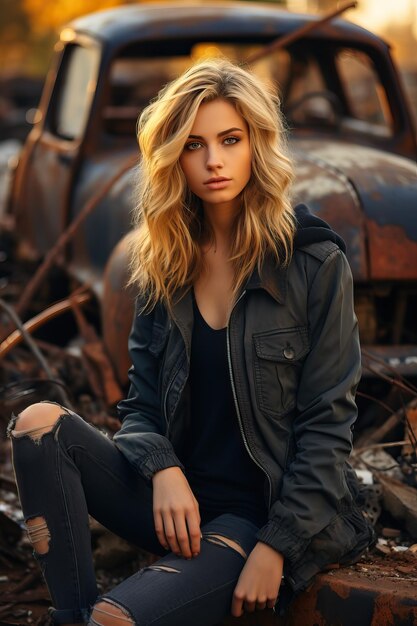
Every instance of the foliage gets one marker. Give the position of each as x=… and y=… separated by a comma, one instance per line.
x=46, y=16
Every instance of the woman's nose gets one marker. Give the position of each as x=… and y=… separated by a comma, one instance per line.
x=214, y=159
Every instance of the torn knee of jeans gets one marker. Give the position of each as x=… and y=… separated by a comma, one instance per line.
x=35, y=432
x=38, y=533
x=225, y=542
x=163, y=568
x=108, y=613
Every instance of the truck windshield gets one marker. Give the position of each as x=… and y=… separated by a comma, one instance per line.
x=320, y=88
x=77, y=87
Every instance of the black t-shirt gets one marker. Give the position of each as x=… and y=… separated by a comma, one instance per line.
x=223, y=477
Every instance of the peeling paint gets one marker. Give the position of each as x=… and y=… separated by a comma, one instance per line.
x=319, y=187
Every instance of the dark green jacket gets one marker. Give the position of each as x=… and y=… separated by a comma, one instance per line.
x=294, y=362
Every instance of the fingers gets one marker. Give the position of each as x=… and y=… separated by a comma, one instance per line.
x=179, y=534
x=237, y=604
x=188, y=532
x=171, y=534
x=197, y=506
x=193, y=524
x=260, y=605
x=182, y=535
x=271, y=603
x=242, y=603
x=176, y=513
x=248, y=604
x=160, y=531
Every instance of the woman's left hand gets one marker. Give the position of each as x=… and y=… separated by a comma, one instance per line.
x=259, y=580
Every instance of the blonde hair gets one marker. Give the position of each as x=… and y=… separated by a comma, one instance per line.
x=165, y=249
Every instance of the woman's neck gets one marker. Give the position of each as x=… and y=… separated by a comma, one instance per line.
x=220, y=220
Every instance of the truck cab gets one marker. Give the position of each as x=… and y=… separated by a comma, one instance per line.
x=350, y=132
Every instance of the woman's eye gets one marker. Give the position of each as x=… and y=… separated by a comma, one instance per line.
x=193, y=145
x=231, y=140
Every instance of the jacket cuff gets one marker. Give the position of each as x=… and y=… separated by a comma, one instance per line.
x=159, y=460
x=282, y=540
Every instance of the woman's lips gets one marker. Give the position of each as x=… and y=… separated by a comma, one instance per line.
x=219, y=184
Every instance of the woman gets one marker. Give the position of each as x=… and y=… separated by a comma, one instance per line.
x=231, y=459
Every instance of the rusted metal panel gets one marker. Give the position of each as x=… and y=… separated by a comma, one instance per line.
x=365, y=595
x=110, y=219
x=330, y=194
x=393, y=253
x=126, y=24
x=385, y=186
x=347, y=597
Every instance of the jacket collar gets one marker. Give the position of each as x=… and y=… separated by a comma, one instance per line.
x=272, y=278
x=183, y=316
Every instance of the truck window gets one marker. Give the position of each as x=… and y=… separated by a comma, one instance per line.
x=307, y=99
x=350, y=98
x=368, y=106
x=135, y=80
x=76, y=91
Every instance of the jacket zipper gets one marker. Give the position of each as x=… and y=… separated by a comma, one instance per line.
x=166, y=397
x=169, y=387
x=239, y=417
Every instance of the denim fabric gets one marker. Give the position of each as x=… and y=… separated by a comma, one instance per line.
x=75, y=470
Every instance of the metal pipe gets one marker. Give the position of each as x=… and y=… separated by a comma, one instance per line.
x=39, y=320
x=288, y=39
x=34, y=348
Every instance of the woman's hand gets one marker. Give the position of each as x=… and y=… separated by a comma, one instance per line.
x=259, y=580
x=176, y=513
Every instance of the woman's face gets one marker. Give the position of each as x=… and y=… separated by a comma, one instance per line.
x=217, y=148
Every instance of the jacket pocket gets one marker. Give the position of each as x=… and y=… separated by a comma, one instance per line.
x=278, y=361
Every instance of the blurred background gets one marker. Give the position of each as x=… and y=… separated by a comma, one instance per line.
x=28, y=30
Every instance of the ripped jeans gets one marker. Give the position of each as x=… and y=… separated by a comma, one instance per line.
x=74, y=470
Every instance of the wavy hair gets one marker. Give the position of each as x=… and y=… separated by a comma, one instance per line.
x=165, y=248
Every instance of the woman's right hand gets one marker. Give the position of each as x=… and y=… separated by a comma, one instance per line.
x=176, y=513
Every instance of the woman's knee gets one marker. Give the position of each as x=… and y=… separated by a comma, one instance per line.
x=37, y=419
x=107, y=613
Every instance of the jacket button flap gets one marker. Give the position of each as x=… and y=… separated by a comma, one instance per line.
x=289, y=344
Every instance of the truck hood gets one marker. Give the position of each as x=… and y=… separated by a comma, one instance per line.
x=369, y=197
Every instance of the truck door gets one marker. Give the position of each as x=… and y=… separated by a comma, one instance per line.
x=49, y=161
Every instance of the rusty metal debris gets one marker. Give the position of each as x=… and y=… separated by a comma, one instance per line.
x=401, y=501
x=96, y=361
x=299, y=33
x=36, y=322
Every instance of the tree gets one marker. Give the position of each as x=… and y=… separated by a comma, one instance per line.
x=47, y=16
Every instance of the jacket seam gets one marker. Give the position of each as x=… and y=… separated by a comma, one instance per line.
x=323, y=262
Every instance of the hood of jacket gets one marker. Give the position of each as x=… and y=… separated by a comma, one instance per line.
x=312, y=229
